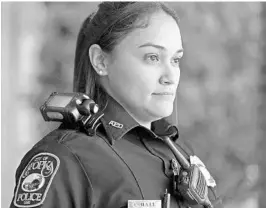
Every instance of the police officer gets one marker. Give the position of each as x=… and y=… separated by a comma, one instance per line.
x=127, y=60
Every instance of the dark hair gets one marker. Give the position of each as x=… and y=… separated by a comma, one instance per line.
x=112, y=22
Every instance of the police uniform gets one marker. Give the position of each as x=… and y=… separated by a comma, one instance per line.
x=123, y=161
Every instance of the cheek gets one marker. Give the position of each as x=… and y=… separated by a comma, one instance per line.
x=133, y=78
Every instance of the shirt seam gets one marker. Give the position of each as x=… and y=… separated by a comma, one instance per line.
x=60, y=141
x=142, y=195
x=151, y=150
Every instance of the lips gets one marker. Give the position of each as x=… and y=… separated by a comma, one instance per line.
x=164, y=93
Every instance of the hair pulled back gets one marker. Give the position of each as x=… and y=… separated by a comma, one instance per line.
x=109, y=25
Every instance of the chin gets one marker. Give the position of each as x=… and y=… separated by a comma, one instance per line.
x=163, y=111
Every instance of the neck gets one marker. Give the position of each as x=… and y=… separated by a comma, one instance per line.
x=145, y=123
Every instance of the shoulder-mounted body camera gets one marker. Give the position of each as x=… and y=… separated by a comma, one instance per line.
x=75, y=108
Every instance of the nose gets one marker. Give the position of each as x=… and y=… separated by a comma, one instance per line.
x=170, y=76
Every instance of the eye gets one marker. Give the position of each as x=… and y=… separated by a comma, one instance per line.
x=176, y=61
x=152, y=58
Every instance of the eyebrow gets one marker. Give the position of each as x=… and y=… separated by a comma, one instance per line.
x=159, y=47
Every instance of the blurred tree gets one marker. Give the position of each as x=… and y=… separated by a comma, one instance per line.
x=21, y=35
x=63, y=22
x=262, y=111
x=218, y=96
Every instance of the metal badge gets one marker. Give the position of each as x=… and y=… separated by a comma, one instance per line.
x=209, y=179
x=116, y=124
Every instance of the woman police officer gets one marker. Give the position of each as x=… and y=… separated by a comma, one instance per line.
x=127, y=61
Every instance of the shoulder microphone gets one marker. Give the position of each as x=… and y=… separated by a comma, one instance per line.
x=190, y=181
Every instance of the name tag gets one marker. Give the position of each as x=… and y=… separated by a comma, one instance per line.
x=144, y=204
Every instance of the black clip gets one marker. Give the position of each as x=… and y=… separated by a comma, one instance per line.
x=91, y=123
x=176, y=169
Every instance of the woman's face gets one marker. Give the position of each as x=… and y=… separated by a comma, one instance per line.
x=143, y=69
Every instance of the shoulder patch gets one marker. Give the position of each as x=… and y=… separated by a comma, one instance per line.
x=35, y=180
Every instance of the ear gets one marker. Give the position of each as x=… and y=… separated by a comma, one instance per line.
x=98, y=59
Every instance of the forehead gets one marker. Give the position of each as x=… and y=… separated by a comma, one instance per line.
x=162, y=30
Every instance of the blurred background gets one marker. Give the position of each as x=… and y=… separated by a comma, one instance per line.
x=221, y=101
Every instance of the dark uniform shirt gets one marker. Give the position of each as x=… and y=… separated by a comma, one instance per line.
x=124, y=161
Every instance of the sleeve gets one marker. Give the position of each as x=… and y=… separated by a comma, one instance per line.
x=51, y=176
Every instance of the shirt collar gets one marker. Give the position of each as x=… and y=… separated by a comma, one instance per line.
x=117, y=122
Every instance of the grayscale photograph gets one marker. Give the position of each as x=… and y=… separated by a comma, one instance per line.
x=121, y=104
